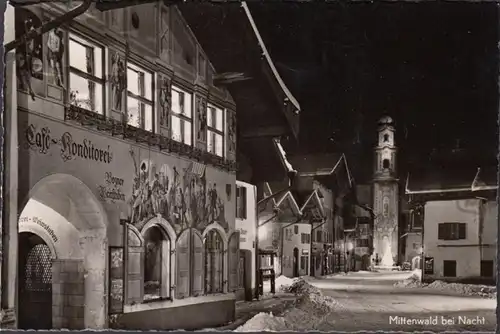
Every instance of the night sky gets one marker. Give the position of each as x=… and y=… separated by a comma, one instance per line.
x=432, y=67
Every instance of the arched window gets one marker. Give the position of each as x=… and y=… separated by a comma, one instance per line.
x=214, y=262
x=156, y=264
x=386, y=138
x=385, y=164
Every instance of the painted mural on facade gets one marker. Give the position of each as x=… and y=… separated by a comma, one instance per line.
x=29, y=59
x=165, y=101
x=183, y=197
x=118, y=80
x=55, y=57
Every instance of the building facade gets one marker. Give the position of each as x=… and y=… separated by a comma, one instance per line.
x=386, y=197
x=126, y=186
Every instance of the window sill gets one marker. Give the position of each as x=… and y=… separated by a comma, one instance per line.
x=156, y=304
x=154, y=300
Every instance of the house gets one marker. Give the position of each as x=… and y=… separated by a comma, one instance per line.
x=459, y=231
x=125, y=167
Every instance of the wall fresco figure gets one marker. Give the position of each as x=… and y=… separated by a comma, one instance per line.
x=118, y=81
x=201, y=114
x=55, y=56
x=29, y=55
x=165, y=102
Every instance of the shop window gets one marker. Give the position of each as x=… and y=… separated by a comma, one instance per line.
x=156, y=264
x=86, y=74
x=139, y=97
x=182, y=116
x=215, y=131
x=449, y=268
x=214, y=262
x=241, y=202
x=452, y=231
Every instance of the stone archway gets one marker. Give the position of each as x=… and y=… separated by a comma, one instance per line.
x=64, y=212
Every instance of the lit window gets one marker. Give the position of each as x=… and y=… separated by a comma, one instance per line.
x=86, y=75
x=181, y=116
x=215, y=132
x=140, y=97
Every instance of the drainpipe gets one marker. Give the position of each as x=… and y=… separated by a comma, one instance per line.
x=55, y=23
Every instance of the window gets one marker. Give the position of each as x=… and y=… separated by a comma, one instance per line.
x=362, y=243
x=363, y=229
x=296, y=229
x=449, y=268
x=386, y=138
x=241, y=202
x=385, y=164
x=487, y=268
x=319, y=236
x=156, y=265
x=139, y=98
x=452, y=231
x=215, y=131
x=182, y=116
x=305, y=238
x=86, y=74
x=214, y=260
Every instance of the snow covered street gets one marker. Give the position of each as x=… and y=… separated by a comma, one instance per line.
x=376, y=301
x=370, y=301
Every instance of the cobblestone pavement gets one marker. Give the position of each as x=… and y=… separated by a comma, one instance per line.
x=368, y=301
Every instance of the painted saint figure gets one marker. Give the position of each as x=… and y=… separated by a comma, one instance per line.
x=165, y=102
x=55, y=52
x=118, y=79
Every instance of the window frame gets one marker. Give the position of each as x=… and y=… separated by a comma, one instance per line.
x=449, y=231
x=241, y=202
x=87, y=42
x=213, y=129
x=140, y=98
x=183, y=118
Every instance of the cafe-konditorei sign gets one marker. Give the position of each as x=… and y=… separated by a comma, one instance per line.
x=41, y=140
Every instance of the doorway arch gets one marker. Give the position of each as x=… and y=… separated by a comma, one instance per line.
x=35, y=282
x=295, y=262
x=63, y=212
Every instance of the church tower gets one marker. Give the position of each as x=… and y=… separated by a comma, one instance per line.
x=385, y=195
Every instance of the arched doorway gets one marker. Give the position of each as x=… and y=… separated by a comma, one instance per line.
x=295, y=262
x=214, y=262
x=35, y=282
x=365, y=262
x=64, y=213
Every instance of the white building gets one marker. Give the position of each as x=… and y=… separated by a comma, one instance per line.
x=459, y=230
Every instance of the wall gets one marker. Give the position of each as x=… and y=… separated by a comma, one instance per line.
x=465, y=252
x=411, y=249
x=247, y=226
x=294, y=241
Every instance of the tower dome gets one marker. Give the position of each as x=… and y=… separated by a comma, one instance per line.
x=386, y=120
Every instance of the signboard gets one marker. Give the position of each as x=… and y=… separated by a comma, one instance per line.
x=116, y=280
x=429, y=266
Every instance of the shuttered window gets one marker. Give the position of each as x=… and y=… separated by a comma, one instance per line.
x=233, y=262
x=135, y=268
x=183, y=265
x=214, y=262
x=197, y=263
x=452, y=231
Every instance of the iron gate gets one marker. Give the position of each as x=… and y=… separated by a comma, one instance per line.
x=35, y=283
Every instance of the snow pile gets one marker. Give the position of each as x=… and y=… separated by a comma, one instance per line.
x=465, y=289
x=311, y=309
x=410, y=282
x=263, y=322
x=283, y=283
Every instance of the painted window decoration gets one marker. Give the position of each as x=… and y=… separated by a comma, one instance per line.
x=29, y=59
x=55, y=57
x=215, y=131
x=86, y=77
x=165, y=102
x=157, y=264
x=181, y=116
x=231, y=131
x=201, y=119
x=118, y=81
x=385, y=203
x=214, y=262
x=139, y=97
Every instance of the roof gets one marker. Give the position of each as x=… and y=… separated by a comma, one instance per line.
x=437, y=179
